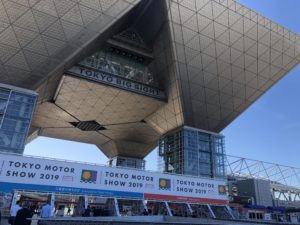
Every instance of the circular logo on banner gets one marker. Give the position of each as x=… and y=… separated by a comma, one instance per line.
x=164, y=184
x=87, y=175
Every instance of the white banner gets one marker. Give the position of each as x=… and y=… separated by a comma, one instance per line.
x=20, y=172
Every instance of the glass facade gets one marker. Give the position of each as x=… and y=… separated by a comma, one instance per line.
x=16, y=109
x=193, y=152
x=127, y=162
x=119, y=63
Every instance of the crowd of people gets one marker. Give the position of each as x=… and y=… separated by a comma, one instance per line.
x=21, y=213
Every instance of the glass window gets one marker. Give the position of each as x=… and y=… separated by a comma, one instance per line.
x=15, y=120
x=205, y=169
x=6, y=138
x=219, y=159
x=220, y=172
x=203, y=137
x=115, y=68
x=3, y=104
x=128, y=72
x=193, y=153
x=121, y=65
x=204, y=157
x=9, y=124
x=128, y=162
x=20, y=97
x=204, y=146
x=4, y=93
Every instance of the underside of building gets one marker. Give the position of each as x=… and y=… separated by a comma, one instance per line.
x=122, y=74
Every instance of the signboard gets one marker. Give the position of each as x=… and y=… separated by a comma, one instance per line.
x=28, y=173
x=116, y=81
x=267, y=216
x=294, y=218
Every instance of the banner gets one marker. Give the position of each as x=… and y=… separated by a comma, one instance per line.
x=116, y=81
x=29, y=173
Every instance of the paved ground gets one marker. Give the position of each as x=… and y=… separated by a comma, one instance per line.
x=198, y=221
x=4, y=222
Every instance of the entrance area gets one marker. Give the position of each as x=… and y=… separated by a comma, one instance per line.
x=67, y=204
x=71, y=205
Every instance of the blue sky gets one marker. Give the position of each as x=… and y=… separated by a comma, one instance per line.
x=269, y=130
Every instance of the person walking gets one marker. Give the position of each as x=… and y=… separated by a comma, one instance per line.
x=87, y=212
x=23, y=215
x=13, y=212
x=145, y=212
x=46, y=211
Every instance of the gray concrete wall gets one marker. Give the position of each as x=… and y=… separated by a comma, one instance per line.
x=260, y=190
x=263, y=193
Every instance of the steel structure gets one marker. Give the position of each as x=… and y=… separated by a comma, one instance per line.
x=211, y=59
x=284, y=180
x=193, y=152
x=122, y=74
x=244, y=167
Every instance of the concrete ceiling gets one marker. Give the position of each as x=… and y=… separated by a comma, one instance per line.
x=120, y=112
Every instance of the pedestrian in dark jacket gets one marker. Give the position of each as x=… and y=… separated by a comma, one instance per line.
x=23, y=215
